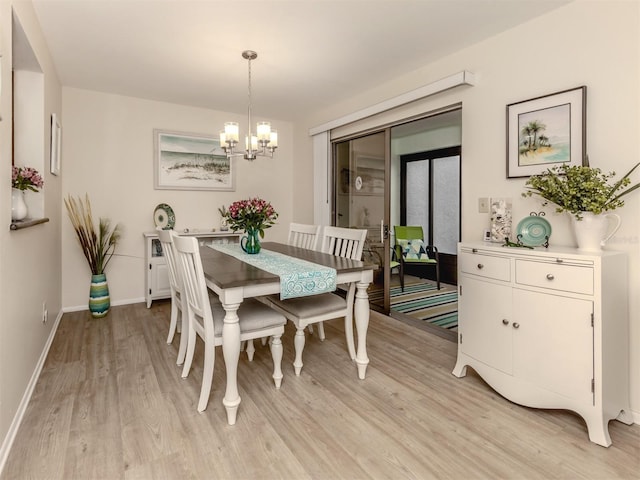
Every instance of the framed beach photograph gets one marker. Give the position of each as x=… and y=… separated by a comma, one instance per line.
x=56, y=137
x=191, y=161
x=545, y=132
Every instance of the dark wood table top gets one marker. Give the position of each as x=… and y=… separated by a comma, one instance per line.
x=229, y=272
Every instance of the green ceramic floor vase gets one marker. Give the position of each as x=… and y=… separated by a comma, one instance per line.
x=99, y=301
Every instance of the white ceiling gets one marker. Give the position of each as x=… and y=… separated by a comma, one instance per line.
x=310, y=52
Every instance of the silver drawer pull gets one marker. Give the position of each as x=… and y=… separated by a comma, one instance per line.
x=505, y=321
x=550, y=276
x=559, y=260
x=480, y=266
x=516, y=325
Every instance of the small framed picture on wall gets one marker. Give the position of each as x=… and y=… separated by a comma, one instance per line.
x=545, y=132
x=56, y=137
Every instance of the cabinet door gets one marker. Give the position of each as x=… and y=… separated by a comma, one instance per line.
x=484, y=308
x=159, y=283
x=553, y=344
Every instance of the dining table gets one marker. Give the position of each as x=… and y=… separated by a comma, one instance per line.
x=233, y=280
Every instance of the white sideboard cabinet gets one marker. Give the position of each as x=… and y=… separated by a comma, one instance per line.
x=157, y=278
x=548, y=328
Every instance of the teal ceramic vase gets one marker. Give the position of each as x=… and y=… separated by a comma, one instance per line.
x=250, y=243
x=99, y=301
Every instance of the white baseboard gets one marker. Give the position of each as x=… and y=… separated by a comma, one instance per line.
x=22, y=408
x=79, y=308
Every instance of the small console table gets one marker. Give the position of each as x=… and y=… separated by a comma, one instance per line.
x=157, y=278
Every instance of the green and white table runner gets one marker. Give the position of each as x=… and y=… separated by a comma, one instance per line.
x=298, y=278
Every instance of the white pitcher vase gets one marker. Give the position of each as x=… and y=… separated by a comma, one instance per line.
x=19, y=209
x=591, y=232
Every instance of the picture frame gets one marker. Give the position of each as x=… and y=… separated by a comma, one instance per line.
x=547, y=131
x=191, y=161
x=56, y=138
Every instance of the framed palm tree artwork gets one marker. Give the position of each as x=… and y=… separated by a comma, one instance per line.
x=546, y=131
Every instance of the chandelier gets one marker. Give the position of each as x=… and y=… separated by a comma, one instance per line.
x=265, y=140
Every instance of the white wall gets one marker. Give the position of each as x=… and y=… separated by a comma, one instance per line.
x=592, y=43
x=30, y=264
x=107, y=152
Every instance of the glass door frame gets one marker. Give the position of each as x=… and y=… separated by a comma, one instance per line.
x=386, y=198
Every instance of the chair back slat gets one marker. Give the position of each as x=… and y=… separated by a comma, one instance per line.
x=344, y=242
x=304, y=236
x=193, y=283
x=169, y=254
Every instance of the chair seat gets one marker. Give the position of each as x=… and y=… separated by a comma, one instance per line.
x=253, y=316
x=410, y=249
x=313, y=306
x=419, y=260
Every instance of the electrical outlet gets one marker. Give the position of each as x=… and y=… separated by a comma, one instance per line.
x=483, y=205
x=45, y=313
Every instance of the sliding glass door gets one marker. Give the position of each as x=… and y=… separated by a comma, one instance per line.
x=361, y=199
x=404, y=174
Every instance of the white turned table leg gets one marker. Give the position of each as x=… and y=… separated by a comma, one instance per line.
x=231, y=353
x=361, y=313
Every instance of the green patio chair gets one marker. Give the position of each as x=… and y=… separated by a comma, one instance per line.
x=410, y=249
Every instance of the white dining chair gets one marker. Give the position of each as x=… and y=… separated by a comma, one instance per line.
x=304, y=236
x=305, y=311
x=206, y=318
x=178, y=308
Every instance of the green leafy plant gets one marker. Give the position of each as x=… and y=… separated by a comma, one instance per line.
x=98, y=247
x=579, y=189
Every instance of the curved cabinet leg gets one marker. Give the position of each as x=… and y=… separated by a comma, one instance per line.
x=460, y=370
x=598, y=428
x=625, y=417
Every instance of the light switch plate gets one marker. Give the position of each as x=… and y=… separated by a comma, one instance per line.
x=483, y=205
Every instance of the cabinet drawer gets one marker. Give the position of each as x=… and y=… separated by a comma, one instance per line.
x=488, y=266
x=569, y=278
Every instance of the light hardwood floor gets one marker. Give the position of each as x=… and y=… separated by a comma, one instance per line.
x=110, y=404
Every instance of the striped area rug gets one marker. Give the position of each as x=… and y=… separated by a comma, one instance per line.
x=424, y=301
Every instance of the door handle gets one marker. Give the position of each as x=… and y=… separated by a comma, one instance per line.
x=384, y=231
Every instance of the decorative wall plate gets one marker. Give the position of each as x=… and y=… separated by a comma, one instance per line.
x=534, y=231
x=164, y=217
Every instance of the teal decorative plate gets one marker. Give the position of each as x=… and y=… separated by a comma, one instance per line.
x=164, y=217
x=534, y=231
